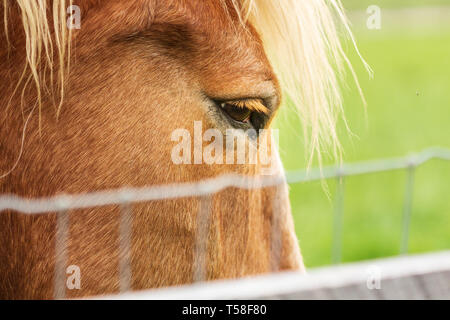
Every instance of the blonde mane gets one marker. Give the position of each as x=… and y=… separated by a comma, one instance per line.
x=300, y=38
x=303, y=45
x=42, y=40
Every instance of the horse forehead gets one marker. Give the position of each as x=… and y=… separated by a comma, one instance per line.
x=210, y=20
x=195, y=10
x=214, y=27
x=211, y=29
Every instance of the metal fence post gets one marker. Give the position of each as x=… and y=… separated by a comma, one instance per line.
x=125, y=231
x=337, y=218
x=276, y=237
x=201, y=242
x=61, y=237
x=407, y=207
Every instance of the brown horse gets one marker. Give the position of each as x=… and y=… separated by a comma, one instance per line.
x=94, y=108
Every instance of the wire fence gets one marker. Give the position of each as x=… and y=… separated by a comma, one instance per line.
x=125, y=197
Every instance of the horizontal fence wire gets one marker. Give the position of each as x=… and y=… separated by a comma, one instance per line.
x=211, y=186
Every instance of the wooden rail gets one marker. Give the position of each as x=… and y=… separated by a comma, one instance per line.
x=424, y=276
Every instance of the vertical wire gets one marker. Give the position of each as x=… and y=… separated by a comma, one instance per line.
x=407, y=208
x=62, y=232
x=275, y=243
x=201, y=241
x=336, y=256
x=125, y=230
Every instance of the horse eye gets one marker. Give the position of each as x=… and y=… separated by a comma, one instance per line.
x=237, y=113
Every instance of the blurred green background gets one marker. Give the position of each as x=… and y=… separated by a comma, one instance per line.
x=408, y=110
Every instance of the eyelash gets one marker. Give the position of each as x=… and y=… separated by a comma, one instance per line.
x=237, y=113
x=245, y=111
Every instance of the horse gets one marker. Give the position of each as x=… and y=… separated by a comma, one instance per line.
x=94, y=108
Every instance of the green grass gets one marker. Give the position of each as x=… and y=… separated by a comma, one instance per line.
x=390, y=4
x=408, y=110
